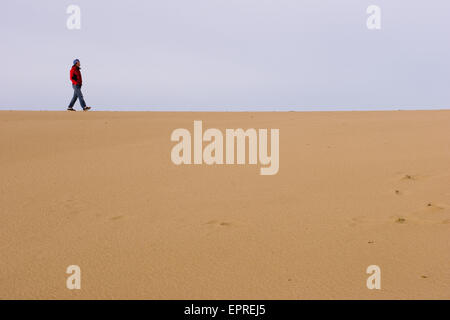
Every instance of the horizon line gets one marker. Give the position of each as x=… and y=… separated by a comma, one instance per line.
x=230, y=109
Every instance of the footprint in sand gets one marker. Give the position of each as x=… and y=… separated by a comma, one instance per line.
x=354, y=222
x=362, y=220
x=116, y=218
x=400, y=220
x=431, y=213
x=73, y=206
x=68, y=205
x=409, y=177
x=219, y=223
x=433, y=207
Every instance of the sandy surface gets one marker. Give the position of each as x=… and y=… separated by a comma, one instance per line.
x=99, y=190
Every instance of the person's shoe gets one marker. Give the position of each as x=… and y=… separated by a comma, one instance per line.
x=86, y=108
x=71, y=109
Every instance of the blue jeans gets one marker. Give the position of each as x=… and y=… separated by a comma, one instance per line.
x=77, y=95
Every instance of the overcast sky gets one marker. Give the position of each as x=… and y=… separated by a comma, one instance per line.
x=227, y=54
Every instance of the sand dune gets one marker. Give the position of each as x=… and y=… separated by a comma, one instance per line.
x=99, y=190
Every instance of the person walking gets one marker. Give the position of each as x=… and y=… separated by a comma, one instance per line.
x=75, y=77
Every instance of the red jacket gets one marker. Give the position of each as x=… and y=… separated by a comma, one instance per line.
x=75, y=76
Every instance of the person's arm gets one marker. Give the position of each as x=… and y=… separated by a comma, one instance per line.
x=73, y=76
